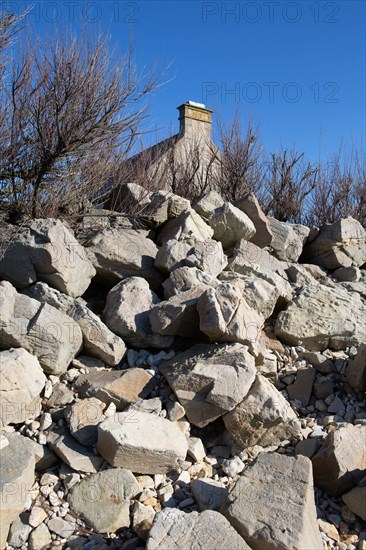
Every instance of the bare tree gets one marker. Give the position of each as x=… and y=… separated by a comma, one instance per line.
x=238, y=154
x=287, y=182
x=67, y=105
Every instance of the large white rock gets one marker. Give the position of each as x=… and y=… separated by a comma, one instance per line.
x=98, y=340
x=172, y=254
x=185, y=278
x=322, y=317
x=175, y=529
x=187, y=225
x=263, y=417
x=250, y=206
x=118, y=253
x=248, y=257
x=272, y=504
x=127, y=313
x=141, y=442
x=210, y=380
x=339, y=244
x=47, y=251
x=208, y=203
x=21, y=383
x=53, y=337
x=177, y=316
x=288, y=239
x=230, y=225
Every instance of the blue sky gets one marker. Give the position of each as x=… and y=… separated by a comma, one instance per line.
x=297, y=69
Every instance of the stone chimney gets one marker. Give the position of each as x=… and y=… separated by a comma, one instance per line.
x=195, y=121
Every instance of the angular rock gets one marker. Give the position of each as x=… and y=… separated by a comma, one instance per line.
x=336, y=469
x=248, y=259
x=207, y=203
x=322, y=317
x=210, y=380
x=288, y=239
x=127, y=313
x=177, y=316
x=19, y=530
x=350, y=274
x=98, y=340
x=185, y=278
x=355, y=374
x=187, y=225
x=21, y=383
x=53, y=337
x=272, y=504
x=120, y=387
x=40, y=538
x=356, y=499
x=172, y=254
x=209, y=494
x=173, y=528
x=142, y=519
x=263, y=417
x=16, y=479
x=339, y=244
x=302, y=387
x=117, y=253
x=225, y=315
x=102, y=500
x=208, y=256
x=250, y=206
x=83, y=418
x=47, y=251
x=61, y=527
x=141, y=442
x=230, y=224
x=303, y=274
x=78, y=457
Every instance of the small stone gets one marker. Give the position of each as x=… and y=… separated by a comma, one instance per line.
x=318, y=432
x=175, y=411
x=196, y=449
x=61, y=527
x=47, y=392
x=40, y=538
x=45, y=421
x=19, y=530
x=37, y=516
x=337, y=406
x=233, y=466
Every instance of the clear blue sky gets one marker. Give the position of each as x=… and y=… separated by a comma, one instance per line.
x=296, y=68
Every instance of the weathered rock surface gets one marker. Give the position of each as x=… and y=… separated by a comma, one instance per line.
x=302, y=388
x=83, y=418
x=185, y=278
x=103, y=499
x=50, y=335
x=47, y=251
x=272, y=504
x=16, y=479
x=172, y=254
x=322, y=317
x=355, y=374
x=207, y=256
x=208, y=203
x=189, y=224
x=288, y=239
x=75, y=455
x=248, y=258
x=263, y=417
x=118, y=253
x=336, y=469
x=210, y=380
x=209, y=494
x=98, y=340
x=250, y=206
x=356, y=499
x=21, y=383
x=230, y=224
x=339, y=244
x=127, y=313
x=141, y=442
x=225, y=315
x=177, y=316
x=173, y=528
x=120, y=387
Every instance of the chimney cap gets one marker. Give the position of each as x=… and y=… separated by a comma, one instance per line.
x=195, y=104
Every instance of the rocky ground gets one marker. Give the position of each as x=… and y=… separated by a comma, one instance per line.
x=198, y=383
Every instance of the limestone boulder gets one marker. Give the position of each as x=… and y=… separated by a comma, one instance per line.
x=118, y=253
x=53, y=337
x=172, y=254
x=208, y=203
x=173, y=528
x=127, y=313
x=230, y=224
x=21, y=383
x=98, y=340
x=322, y=317
x=339, y=244
x=250, y=206
x=264, y=417
x=141, y=442
x=83, y=418
x=120, y=387
x=187, y=225
x=17, y=476
x=272, y=504
x=336, y=469
x=46, y=251
x=355, y=374
x=102, y=500
x=210, y=380
x=225, y=316
x=356, y=499
x=77, y=456
x=247, y=258
x=288, y=239
x=185, y=278
x=208, y=256
x=177, y=316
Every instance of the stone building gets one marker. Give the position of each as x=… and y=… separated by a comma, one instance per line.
x=188, y=158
